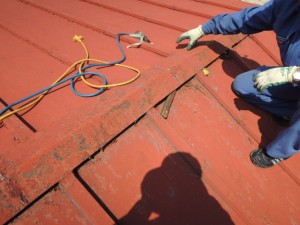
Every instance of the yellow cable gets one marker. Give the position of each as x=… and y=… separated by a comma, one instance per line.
x=79, y=39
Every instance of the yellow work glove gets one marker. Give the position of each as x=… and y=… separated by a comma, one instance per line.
x=194, y=35
x=274, y=77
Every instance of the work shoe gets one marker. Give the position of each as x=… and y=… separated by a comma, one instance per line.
x=260, y=158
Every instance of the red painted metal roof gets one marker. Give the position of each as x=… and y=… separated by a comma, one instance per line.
x=113, y=158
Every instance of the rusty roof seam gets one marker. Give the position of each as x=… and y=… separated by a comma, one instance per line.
x=220, y=4
x=74, y=202
x=108, y=143
x=114, y=9
x=263, y=47
x=30, y=204
x=96, y=197
x=226, y=109
x=35, y=45
x=178, y=9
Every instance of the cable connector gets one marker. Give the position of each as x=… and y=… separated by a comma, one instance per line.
x=142, y=37
x=77, y=38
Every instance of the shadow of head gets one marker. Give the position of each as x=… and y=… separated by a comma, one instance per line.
x=175, y=194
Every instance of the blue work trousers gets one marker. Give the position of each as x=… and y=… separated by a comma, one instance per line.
x=281, y=101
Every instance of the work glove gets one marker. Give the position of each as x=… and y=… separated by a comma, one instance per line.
x=194, y=35
x=274, y=77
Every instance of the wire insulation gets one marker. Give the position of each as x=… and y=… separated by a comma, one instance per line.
x=79, y=74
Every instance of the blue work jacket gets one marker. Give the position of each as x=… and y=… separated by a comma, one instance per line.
x=282, y=16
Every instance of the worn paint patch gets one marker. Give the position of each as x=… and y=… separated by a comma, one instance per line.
x=13, y=188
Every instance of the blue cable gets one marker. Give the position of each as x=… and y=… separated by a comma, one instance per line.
x=72, y=78
x=100, y=65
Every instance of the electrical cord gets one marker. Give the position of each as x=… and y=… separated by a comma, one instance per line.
x=80, y=73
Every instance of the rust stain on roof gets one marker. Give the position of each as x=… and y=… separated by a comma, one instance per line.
x=113, y=159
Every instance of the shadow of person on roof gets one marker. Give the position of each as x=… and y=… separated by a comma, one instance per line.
x=174, y=194
x=233, y=64
x=266, y=124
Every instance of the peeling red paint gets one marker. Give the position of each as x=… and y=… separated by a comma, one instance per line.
x=13, y=188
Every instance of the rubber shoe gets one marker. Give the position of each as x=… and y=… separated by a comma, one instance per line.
x=261, y=159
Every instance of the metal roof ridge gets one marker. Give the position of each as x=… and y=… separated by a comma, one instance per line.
x=87, y=139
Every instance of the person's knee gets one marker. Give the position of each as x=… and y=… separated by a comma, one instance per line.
x=238, y=86
x=243, y=84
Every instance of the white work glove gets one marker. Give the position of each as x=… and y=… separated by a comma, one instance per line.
x=274, y=77
x=194, y=35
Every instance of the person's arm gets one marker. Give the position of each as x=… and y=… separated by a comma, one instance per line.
x=248, y=21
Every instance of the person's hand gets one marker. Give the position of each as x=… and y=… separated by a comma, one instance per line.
x=194, y=35
x=274, y=77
